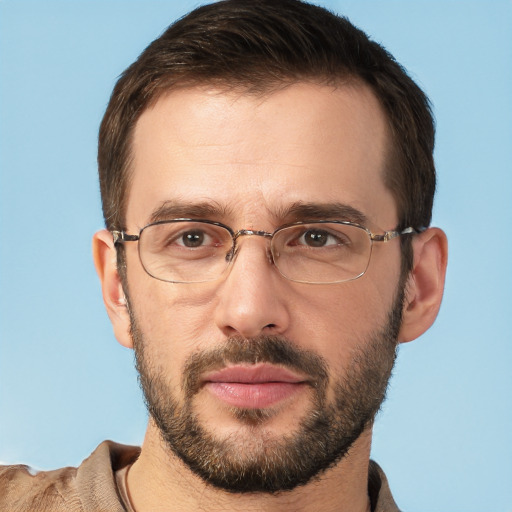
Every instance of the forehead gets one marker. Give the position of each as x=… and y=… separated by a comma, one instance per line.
x=251, y=157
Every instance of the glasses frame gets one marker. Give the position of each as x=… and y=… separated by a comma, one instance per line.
x=120, y=237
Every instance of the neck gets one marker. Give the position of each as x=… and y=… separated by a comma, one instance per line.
x=159, y=481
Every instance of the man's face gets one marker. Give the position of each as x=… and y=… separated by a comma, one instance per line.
x=256, y=382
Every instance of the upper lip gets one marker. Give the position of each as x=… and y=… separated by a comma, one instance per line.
x=254, y=374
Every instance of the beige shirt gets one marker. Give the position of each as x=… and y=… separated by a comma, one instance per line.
x=98, y=484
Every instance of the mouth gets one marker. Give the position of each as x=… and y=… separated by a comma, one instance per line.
x=253, y=387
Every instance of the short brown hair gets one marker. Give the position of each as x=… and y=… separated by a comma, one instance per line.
x=259, y=45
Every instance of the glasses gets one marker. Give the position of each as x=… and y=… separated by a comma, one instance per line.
x=197, y=251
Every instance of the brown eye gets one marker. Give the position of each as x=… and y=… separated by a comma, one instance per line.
x=315, y=238
x=193, y=238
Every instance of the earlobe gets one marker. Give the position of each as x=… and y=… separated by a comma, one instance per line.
x=105, y=261
x=425, y=285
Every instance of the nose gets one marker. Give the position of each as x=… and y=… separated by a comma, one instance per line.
x=253, y=298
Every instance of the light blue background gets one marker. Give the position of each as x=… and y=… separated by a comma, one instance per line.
x=444, y=437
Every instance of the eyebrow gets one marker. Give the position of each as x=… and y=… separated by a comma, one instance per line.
x=301, y=211
x=296, y=212
x=169, y=210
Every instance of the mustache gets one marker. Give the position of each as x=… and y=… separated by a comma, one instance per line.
x=275, y=350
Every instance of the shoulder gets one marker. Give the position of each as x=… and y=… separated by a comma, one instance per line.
x=21, y=488
x=378, y=489
x=91, y=486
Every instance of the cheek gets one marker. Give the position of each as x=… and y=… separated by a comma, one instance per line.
x=345, y=308
x=172, y=317
x=336, y=320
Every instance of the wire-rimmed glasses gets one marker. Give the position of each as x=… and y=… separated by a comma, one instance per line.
x=196, y=251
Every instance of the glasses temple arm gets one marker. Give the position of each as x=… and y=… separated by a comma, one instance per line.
x=121, y=236
x=389, y=235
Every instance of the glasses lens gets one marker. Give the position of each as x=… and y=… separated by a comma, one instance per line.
x=322, y=252
x=184, y=251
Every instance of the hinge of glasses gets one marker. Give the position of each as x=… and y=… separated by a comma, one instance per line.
x=117, y=236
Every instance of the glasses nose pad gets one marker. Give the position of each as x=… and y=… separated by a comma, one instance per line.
x=272, y=254
x=230, y=255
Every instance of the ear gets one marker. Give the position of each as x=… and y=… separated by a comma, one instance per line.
x=105, y=261
x=425, y=284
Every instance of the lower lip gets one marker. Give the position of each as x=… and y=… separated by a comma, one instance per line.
x=253, y=395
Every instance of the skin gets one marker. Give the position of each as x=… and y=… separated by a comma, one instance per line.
x=253, y=157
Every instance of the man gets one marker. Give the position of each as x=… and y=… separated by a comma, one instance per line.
x=267, y=183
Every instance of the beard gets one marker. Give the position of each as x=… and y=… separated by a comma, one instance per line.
x=258, y=460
